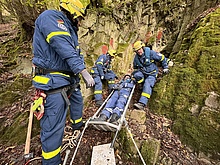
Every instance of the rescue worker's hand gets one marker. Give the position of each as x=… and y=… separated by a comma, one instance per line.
x=105, y=70
x=166, y=71
x=102, y=77
x=87, y=79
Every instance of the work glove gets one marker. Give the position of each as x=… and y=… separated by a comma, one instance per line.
x=105, y=70
x=102, y=77
x=87, y=79
x=166, y=71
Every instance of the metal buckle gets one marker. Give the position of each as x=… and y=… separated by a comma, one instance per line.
x=33, y=70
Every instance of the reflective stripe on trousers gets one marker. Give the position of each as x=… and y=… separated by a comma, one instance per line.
x=147, y=89
x=52, y=128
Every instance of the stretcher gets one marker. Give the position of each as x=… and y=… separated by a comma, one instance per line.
x=104, y=154
x=105, y=125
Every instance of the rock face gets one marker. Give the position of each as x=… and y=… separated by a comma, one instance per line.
x=190, y=93
x=185, y=31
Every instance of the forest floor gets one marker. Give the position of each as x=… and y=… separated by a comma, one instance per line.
x=171, y=148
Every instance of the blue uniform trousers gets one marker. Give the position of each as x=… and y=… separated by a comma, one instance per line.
x=148, y=83
x=110, y=77
x=117, y=102
x=98, y=88
x=53, y=123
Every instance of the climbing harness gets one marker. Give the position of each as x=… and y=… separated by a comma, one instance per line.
x=41, y=71
x=65, y=91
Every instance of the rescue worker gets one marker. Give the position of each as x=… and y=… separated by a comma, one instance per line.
x=102, y=71
x=57, y=67
x=114, y=108
x=146, y=70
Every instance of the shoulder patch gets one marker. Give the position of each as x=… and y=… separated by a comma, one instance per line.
x=60, y=21
x=62, y=26
x=159, y=54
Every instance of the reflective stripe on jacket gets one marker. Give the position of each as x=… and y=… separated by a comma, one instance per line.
x=55, y=47
x=149, y=68
x=102, y=64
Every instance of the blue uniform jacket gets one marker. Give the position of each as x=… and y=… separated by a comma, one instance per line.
x=128, y=83
x=55, y=47
x=102, y=64
x=147, y=63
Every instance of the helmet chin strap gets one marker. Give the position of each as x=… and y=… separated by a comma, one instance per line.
x=74, y=22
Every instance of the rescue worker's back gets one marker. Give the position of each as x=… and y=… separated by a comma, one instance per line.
x=56, y=48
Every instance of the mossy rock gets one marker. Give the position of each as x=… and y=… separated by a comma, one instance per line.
x=16, y=133
x=150, y=150
x=14, y=90
x=195, y=73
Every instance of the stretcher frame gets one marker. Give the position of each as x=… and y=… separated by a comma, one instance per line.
x=104, y=125
x=113, y=127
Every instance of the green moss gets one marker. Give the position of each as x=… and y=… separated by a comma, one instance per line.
x=15, y=133
x=105, y=10
x=89, y=61
x=149, y=151
x=196, y=72
x=199, y=132
x=122, y=47
x=126, y=144
x=14, y=90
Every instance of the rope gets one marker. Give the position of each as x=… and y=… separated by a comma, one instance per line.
x=139, y=153
x=32, y=160
x=70, y=140
x=80, y=138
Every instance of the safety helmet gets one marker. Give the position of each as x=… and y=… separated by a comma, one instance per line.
x=112, y=52
x=75, y=7
x=138, y=45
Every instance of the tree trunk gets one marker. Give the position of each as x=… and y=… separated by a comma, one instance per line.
x=25, y=12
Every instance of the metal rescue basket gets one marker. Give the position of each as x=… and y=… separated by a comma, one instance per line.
x=104, y=154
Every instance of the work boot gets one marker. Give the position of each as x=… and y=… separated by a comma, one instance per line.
x=98, y=103
x=114, y=118
x=139, y=105
x=102, y=117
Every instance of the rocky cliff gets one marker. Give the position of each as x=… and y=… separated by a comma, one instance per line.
x=185, y=31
